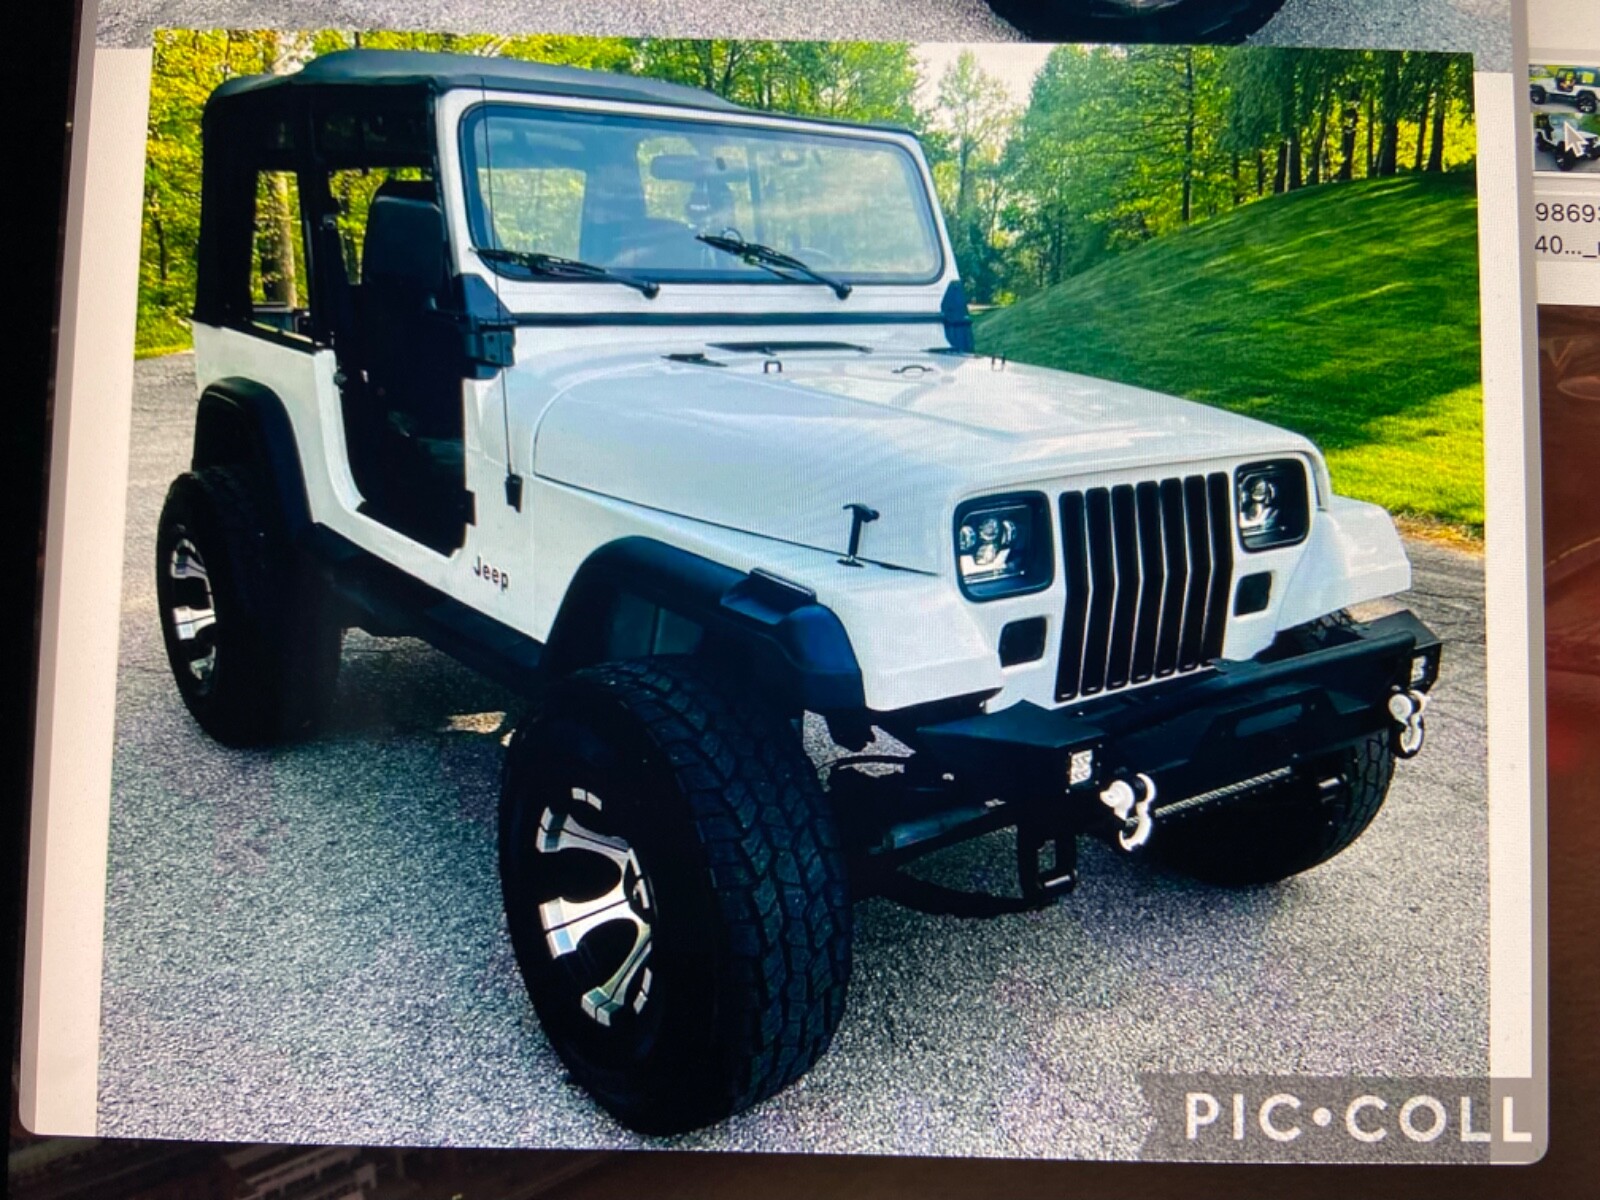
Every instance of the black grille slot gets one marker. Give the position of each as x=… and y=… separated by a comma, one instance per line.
x=1102, y=591
x=1148, y=570
x=1125, y=540
x=1216, y=624
x=1172, y=543
x=1194, y=600
x=1152, y=577
x=1075, y=560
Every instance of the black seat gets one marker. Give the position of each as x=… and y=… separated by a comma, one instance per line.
x=409, y=349
x=411, y=357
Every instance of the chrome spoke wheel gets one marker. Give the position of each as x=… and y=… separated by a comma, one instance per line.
x=192, y=610
x=570, y=922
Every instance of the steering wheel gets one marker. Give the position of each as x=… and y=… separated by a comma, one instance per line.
x=815, y=256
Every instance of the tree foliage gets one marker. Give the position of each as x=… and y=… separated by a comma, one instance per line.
x=1122, y=144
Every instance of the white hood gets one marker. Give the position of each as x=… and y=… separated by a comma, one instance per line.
x=780, y=453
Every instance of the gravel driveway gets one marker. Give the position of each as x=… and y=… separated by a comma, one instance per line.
x=307, y=945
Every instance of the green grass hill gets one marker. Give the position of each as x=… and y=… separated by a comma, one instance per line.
x=1347, y=312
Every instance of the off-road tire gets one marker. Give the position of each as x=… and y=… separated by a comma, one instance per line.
x=275, y=639
x=749, y=904
x=1284, y=828
x=1586, y=103
x=1536, y=94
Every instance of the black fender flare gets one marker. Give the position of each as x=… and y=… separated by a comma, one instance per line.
x=239, y=421
x=764, y=628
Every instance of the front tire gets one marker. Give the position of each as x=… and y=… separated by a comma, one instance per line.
x=1586, y=103
x=249, y=634
x=1284, y=828
x=674, y=892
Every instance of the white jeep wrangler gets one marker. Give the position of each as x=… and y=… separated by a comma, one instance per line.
x=666, y=413
x=1578, y=86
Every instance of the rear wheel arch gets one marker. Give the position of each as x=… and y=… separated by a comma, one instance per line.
x=244, y=424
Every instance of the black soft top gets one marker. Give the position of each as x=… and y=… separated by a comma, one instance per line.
x=439, y=72
x=360, y=109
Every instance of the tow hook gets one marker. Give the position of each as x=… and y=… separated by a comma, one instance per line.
x=1406, y=708
x=1131, y=799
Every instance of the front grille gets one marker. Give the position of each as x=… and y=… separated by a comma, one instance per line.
x=1148, y=569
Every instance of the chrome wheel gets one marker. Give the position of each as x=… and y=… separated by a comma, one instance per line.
x=192, y=610
x=570, y=922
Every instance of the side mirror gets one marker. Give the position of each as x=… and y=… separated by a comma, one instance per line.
x=488, y=329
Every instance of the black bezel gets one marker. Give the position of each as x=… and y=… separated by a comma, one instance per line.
x=1297, y=505
x=1039, y=572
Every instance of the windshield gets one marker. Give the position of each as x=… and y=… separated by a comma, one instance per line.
x=634, y=194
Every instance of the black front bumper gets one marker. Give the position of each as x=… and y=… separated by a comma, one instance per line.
x=1287, y=707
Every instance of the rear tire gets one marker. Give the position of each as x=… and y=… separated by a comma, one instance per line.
x=250, y=635
x=1586, y=103
x=1284, y=828
x=677, y=805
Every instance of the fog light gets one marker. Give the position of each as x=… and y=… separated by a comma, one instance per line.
x=1419, y=669
x=1022, y=642
x=1080, y=768
x=1254, y=594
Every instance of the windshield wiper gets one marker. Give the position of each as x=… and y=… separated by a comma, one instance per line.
x=552, y=266
x=772, y=260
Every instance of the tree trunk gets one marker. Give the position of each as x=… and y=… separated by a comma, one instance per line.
x=1319, y=144
x=1349, y=121
x=1436, y=150
x=730, y=65
x=963, y=171
x=1422, y=132
x=1188, y=135
x=277, y=231
x=1238, y=196
x=1389, y=149
x=1389, y=103
x=1280, y=174
x=277, y=250
x=1289, y=130
x=162, y=261
x=1372, y=161
x=1261, y=175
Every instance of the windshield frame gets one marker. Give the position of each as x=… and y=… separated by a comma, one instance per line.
x=670, y=119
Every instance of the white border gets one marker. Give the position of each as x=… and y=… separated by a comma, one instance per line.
x=79, y=622
x=1513, y=585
